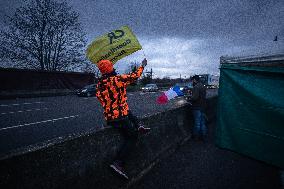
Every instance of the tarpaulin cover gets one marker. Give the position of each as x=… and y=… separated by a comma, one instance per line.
x=250, y=117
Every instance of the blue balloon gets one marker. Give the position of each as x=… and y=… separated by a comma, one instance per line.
x=178, y=91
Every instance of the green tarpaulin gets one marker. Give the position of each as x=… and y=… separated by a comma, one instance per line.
x=251, y=108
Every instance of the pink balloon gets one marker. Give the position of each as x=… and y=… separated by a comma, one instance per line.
x=162, y=99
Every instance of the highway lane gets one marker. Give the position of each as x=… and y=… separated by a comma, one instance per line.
x=33, y=120
x=28, y=121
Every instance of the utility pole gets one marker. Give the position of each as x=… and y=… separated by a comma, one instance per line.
x=151, y=74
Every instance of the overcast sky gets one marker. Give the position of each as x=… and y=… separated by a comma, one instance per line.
x=184, y=36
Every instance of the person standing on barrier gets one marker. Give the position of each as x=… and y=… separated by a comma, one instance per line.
x=198, y=101
x=111, y=92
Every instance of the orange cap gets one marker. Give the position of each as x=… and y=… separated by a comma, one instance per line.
x=105, y=66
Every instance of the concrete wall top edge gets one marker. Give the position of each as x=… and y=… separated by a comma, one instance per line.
x=70, y=137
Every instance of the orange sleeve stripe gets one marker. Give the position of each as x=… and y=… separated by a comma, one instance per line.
x=129, y=78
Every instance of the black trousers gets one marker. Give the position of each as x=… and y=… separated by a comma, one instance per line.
x=128, y=128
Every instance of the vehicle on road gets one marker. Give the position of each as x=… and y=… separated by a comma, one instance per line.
x=150, y=88
x=89, y=90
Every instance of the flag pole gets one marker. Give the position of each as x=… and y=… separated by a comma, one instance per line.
x=143, y=53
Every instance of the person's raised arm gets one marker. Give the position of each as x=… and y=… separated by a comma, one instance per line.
x=132, y=77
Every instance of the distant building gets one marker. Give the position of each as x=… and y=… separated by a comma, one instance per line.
x=209, y=80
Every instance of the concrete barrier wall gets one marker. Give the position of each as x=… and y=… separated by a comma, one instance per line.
x=83, y=161
x=12, y=79
x=23, y=83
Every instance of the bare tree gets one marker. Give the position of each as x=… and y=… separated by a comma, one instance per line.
x=91, y=68
x=45, y=35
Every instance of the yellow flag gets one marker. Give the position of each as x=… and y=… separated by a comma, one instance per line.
x=113, y=46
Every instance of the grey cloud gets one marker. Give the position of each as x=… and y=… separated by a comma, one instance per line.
x=211, y=29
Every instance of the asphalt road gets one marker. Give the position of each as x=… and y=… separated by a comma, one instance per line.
x=30, y=121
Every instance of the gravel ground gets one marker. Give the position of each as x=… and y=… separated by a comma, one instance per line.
x=198, y=165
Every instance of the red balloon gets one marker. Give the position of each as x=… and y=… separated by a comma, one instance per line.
x=162, y=99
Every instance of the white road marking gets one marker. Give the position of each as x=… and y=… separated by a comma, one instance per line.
x=26, y=103
x=21, y=111
x=39, y=122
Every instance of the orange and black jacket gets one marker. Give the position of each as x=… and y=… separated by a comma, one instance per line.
x=111, y=92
